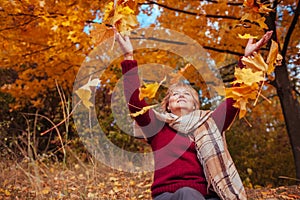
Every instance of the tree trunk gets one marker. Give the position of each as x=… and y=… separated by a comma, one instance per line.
x=288, y=99
x=291, y=111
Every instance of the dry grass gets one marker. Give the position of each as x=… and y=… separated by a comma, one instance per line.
x=46, y=178
x=42, y=180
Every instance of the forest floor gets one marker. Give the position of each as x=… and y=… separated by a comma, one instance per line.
x=91, y=180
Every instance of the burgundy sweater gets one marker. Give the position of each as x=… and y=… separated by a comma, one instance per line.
x=175, y=156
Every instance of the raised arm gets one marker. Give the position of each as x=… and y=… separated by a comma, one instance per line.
x=225, y=112
x=147, y=121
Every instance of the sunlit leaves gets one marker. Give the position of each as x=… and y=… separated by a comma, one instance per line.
x=257, y=6
x=247, y=76
x=121, y=14
x=246, y=36
x=44, y=42
x=250, y=79
x=274, y=58
x=255, y=62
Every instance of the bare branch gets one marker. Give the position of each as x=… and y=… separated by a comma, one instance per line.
x=291, y=29
x=192, y=13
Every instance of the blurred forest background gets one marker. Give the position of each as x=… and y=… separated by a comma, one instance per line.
x=44, y=43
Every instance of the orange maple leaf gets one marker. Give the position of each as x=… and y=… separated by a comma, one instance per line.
x=274, y=58
x=100, y=32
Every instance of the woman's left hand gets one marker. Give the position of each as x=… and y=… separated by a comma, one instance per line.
x=252, y=47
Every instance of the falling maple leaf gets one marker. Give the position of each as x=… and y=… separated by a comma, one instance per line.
x=142, y=111
x=274, y=58
x=149, y=90
x=246, y=36
x=85, y=93
x=241, y=95
x=100, y=32
x=247, y=76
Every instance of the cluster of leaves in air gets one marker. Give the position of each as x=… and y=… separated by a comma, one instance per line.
x=122, y=15
x=256, y=12
x=250, y=79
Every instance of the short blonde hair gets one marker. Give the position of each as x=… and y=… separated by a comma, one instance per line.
x=194, y=93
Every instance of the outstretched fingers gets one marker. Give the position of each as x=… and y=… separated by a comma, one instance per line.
x=267, y=36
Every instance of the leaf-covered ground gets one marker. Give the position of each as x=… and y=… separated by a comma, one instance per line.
x=47, y=180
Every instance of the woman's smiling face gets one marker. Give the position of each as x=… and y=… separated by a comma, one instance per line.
x=181, y=101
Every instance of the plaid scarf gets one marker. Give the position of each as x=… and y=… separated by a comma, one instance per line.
x=212, y=152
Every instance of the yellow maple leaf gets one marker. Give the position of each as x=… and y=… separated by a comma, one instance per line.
x=149, y=90
x=242, y=91
x=142, y=111
x=85, y=93
x=85, y=96
x=241, y=95
x=247, y=76
x=255, y=62
x=246, y=36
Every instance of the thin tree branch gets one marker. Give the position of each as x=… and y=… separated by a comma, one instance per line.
x=192, y=13
x=290, y=31
x=223, y=51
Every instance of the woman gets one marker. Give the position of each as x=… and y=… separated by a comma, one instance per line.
x=179, y=168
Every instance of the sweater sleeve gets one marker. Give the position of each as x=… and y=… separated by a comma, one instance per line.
x=225, y=113
x=146, y=121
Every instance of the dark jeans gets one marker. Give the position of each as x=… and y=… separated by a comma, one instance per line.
x=185, y=193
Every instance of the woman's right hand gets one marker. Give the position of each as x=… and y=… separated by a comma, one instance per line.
x=125, y=45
